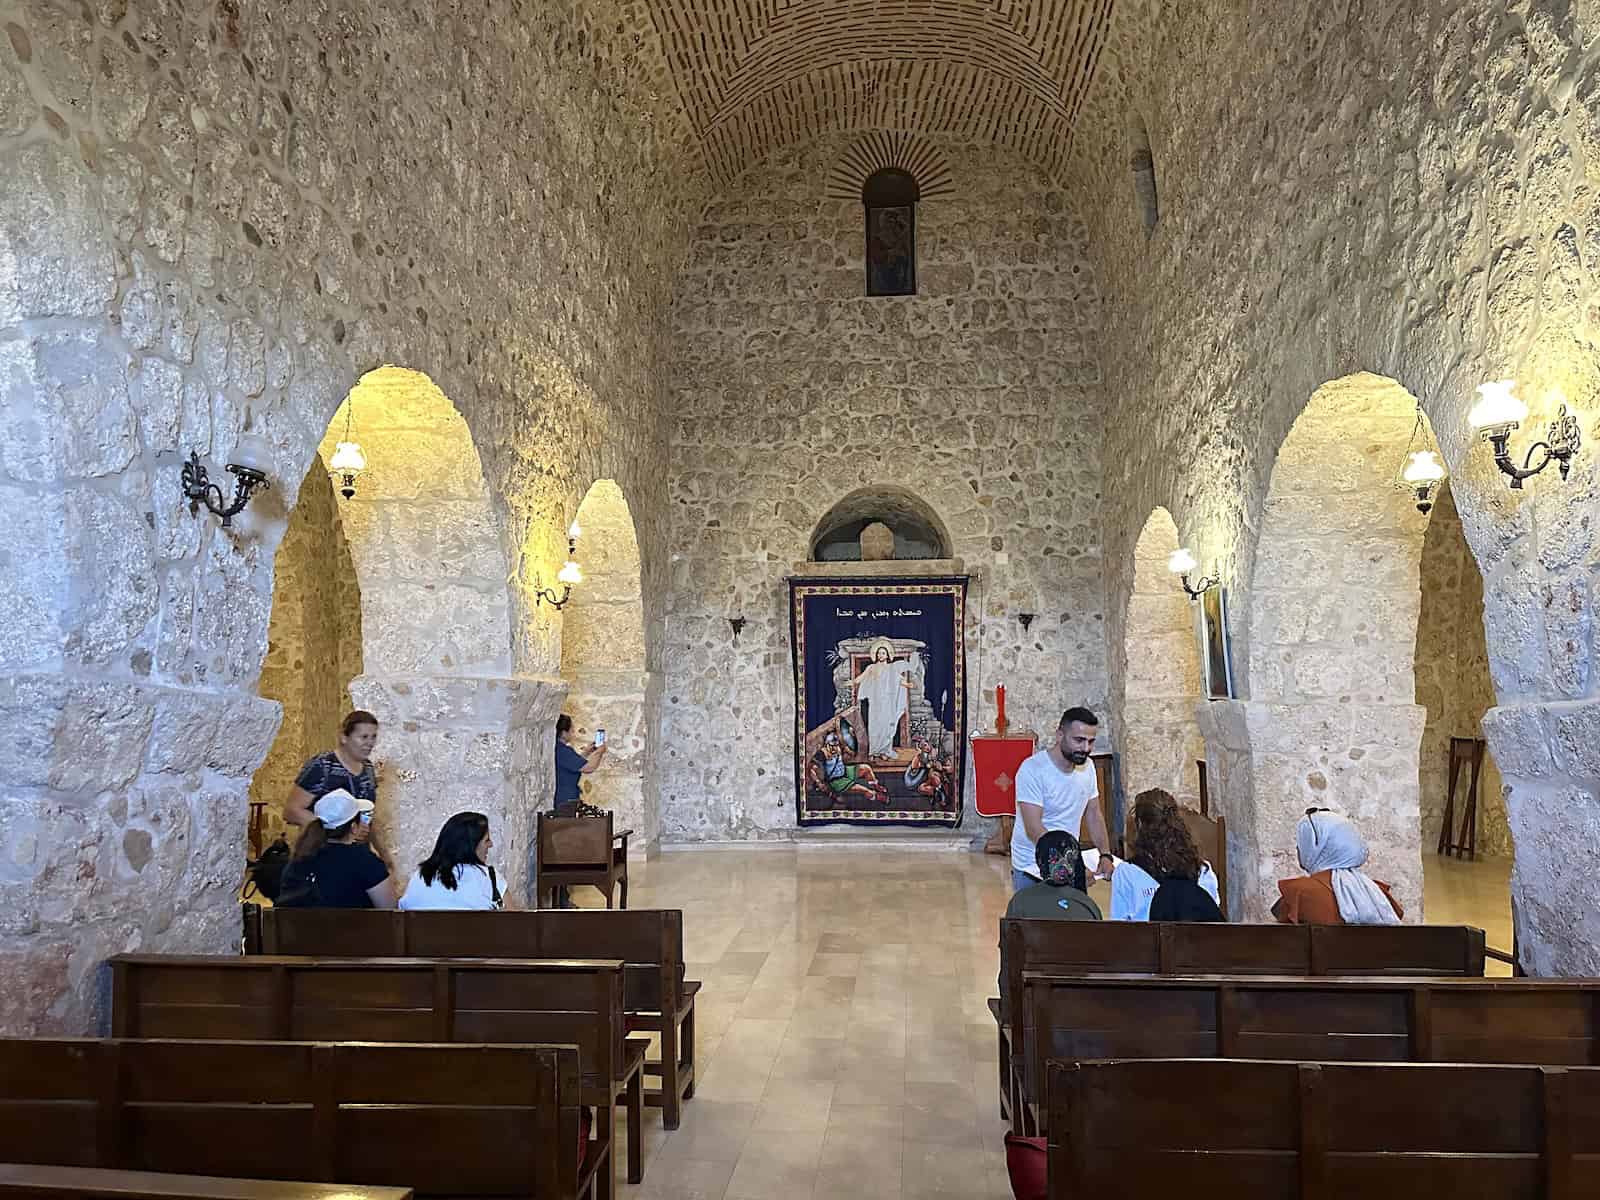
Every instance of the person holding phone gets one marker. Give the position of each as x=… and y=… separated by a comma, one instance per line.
x=572, y=764
x=333, y=867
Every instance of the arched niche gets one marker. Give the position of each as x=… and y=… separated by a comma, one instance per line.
x=1161, y=672
x=434, y=661
x=603, y=659
x=918, y=531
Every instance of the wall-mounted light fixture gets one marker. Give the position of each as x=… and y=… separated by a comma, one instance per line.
x=568, y=575
x=247, y=464
x=1499, y=412
x=1026, y=619
x=348, y=460
x=1421, y=472
x=737, y=625
x=1184, y=564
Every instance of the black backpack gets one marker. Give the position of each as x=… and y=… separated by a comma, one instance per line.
x=265, y=874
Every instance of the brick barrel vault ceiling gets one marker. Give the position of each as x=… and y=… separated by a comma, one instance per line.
x=754, y=75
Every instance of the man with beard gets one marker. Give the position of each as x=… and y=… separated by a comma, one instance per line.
x=1056, y=789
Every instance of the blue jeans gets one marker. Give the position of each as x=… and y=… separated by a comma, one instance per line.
x=1021, y=879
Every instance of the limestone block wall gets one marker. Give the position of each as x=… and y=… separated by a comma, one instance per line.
x=1453, y=681
x=791, y=389
x=1402, y=189
x=313, y=642
x=216, y=219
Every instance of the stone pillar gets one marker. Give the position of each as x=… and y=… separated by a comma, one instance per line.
x=1549, y=757
x=462, y=744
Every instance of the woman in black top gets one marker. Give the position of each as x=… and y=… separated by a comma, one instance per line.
x=332, y=866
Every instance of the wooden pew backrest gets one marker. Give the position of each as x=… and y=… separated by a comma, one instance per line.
x=22, y=1181
x=1227, y=1127
x=370, y=1113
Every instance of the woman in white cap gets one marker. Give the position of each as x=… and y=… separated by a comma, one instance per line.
x=332, y=865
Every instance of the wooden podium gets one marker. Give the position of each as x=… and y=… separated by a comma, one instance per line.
x=995, y=760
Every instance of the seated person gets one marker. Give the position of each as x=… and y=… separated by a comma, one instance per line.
x=457, y=874
x=332, y=865
x=1333, y=891
x=1164, y=853
x=1061, y=896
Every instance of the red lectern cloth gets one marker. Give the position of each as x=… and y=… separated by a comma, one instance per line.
x=994, y=763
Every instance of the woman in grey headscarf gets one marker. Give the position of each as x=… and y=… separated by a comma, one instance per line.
x=1334, y=889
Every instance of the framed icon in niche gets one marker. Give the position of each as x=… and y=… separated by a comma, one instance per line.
x=1211, y=626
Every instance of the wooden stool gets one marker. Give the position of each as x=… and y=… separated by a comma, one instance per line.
x=1462, y=752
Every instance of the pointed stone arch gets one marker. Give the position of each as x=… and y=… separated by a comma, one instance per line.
x=604, y=662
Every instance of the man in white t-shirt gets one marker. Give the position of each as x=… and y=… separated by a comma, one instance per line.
x=1056, y=788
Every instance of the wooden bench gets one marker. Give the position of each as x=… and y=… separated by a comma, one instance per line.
x=22, y=1181
x=655, y=995
x=396, y=1000
x=1170, y=948
x=1322, y=1131
x=453, y=1120
x=1554, y=1022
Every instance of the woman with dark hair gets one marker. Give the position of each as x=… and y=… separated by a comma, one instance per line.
x=332, y=866
x=1166, y=879
x=457, y=874
x=348, y=766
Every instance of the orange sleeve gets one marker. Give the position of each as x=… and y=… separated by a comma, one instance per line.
x=1288, y=902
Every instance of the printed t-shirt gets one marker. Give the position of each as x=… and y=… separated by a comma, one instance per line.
x=325, y=773
x=1132, y=889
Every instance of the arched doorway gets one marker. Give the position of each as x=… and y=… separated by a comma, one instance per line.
x=429, y=567
x=1333, y=652
x=604, y=664
x=1160, y=673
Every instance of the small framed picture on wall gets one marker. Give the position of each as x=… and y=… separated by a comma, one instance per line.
x=1211, y=625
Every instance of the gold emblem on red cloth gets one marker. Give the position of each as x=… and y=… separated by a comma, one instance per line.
x=1003, y=782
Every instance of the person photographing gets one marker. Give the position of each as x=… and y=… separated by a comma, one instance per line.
x=1057, y=790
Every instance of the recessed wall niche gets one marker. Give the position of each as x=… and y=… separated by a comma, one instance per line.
x=918, y=531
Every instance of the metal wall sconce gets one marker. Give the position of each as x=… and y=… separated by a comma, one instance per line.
x=1026, y=619
x=1183, y=564
x=248, y=466
x=737, y=625
x=1497, y=415
x=568, y=575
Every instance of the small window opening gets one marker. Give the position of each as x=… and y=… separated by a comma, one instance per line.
x=1143, y=162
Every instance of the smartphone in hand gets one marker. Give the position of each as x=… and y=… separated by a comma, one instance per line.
x=599, y=737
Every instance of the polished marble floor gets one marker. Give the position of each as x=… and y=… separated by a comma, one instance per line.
x=845, y=1047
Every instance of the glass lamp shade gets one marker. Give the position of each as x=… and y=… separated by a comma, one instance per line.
x=348, y=457
x=570, y=574
x=1497, y=405
x=1182, y=562
x=1423, y=467
x=251, y=452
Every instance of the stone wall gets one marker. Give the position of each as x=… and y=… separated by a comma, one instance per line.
x=791, y=389
x=313, y=643
x=1453, y=681
x=1408, y=190
x=215, y=219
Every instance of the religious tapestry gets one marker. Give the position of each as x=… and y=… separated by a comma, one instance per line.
x=880, y=700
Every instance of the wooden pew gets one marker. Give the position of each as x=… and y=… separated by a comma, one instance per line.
x=1321, y=1131
x=1171, y=948
x=1553, y=1022
x=22, y=1181
x=656, y=996
x=396, y=1000
x=453, y=1120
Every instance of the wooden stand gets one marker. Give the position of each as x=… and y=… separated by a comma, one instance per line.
x=1463, y=751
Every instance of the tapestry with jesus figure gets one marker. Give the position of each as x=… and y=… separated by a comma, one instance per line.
x=880, y=700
